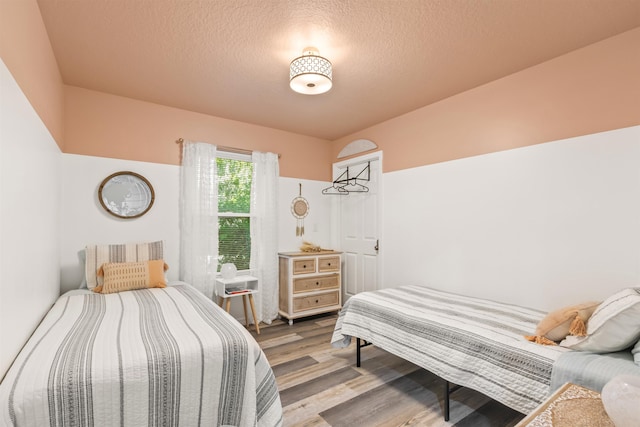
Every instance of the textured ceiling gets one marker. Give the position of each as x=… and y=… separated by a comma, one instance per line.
x=230, y=58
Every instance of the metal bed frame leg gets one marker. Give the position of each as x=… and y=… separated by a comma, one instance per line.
x=359, y=344
x=447, y=394
x=446, y=400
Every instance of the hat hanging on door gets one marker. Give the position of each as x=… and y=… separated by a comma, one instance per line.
x=300, y=209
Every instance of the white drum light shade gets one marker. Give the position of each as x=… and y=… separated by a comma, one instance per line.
x=310, y=74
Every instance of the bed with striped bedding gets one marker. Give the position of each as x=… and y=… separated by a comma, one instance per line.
x=147, y=357
x=468, y=341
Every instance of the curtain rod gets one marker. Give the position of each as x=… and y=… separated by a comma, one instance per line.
x=226, y=149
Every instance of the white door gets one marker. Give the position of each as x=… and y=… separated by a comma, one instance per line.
x=359, y=218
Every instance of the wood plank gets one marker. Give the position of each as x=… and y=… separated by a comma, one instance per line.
x=311, y=387
x=310, y=373
x=329, y=321
x=491, y=413
x=310, y=408
x=315, y=421
x=294, y=350
x=293, y=366
x=279, y=340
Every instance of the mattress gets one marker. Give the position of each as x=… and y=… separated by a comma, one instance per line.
x=468, y=341
x=592, y=370
x=148, y=357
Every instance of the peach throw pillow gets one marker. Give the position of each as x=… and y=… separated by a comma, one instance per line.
x=128, y=276
x=558, y=324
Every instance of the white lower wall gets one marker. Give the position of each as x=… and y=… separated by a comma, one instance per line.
x=84, y=221
x=29, y=211
x=318, y=223
x=543, y=226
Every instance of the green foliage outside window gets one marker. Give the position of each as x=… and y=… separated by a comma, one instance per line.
x=234, y=203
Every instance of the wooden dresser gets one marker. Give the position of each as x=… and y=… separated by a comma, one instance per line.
x=310, y=283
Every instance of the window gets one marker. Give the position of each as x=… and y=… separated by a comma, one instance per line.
x=235, y=173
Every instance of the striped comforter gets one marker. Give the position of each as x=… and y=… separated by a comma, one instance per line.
x=153, y=357
x=468, y=341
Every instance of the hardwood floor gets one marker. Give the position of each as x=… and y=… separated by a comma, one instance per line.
x=321, y=386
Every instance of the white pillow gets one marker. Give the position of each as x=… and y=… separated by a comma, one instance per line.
x=614, y=326
x=82, y=256
x=96, y=255
x=636, y=353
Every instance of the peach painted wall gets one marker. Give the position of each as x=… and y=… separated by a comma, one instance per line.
x=103, y=125
x=590, y=90
x=27, y=53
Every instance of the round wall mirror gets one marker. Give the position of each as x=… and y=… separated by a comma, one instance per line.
x=126, y=195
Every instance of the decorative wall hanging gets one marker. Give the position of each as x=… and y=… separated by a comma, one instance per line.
x=126, y=195
x=300, y=209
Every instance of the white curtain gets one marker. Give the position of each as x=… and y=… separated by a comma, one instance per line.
x=264, y=232
x=199, y=216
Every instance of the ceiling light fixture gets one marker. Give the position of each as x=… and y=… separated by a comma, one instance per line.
x=310, y=74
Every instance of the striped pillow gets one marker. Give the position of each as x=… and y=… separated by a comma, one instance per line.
x=614, y=326
x=128, y=276
x=96, y=255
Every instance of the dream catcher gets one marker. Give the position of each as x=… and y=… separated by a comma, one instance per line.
x=300, y=209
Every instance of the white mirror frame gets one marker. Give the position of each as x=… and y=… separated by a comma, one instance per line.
x=126, y=195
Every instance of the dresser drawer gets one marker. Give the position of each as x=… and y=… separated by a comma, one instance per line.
x=329, y=264
x=303, y=266
x=315, y=283
x=316, y=301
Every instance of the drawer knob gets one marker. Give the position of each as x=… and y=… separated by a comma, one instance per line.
x=304, y=266
x=329, y=264
x=317, y=283
x=317, y=301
